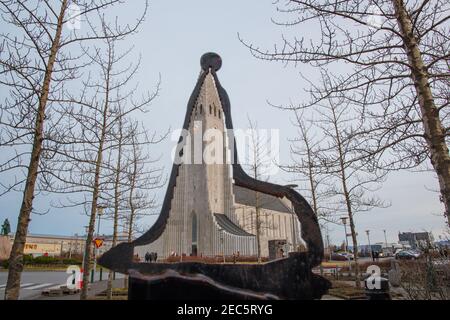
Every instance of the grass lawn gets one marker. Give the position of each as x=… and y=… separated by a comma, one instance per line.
x=346, y=291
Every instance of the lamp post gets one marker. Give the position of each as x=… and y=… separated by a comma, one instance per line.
x=84, y=252
x=99, y=213
x=370, y=247
x=385, y=240
x=328, y=241
x=344, y=222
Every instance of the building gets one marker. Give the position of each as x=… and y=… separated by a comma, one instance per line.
x=415, y=239
x=57, y=245
x=205, y=211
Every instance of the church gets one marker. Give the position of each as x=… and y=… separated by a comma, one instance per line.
x=210, y=209
x=206, y=212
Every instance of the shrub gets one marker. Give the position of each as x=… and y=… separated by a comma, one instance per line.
x=44, y=260
x=71, y=261
x=426, y=279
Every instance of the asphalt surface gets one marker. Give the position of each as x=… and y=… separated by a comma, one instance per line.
x=33, y=282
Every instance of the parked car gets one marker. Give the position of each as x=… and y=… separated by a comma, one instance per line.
x=386, y=253
x=407, y=255
x=342, y=256
x=348, y=255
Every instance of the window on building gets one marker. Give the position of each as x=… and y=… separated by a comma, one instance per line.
x=215, y=111
x=194, y=234
x=219, y=115
x=201, y=109
x=194, y=229
x=210, y=109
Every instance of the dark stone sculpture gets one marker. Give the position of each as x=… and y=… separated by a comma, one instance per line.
x=287, y=278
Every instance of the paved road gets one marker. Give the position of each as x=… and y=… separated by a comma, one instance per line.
x=361, y=260
x=33, y=282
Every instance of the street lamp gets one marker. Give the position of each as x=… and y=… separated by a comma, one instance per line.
x=84, y=251
x=344, y=222
x=99, y=213
x=385, y=239
x=370, y=247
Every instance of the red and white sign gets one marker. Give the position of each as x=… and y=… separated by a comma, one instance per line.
x=98, y=242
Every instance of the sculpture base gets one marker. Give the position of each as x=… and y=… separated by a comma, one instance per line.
x=288, y=278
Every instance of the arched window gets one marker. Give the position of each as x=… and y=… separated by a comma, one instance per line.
x=215, y=111
x=201, y=109
x=194, y=234
x=219, y=115
x=210, y=109
x=194, y=229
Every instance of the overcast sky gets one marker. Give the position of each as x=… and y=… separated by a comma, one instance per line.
x=171, y=41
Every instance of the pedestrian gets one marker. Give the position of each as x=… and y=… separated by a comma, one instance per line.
x=147, y=257
x=373, y=256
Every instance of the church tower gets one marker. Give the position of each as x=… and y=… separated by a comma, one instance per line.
x=202, y=219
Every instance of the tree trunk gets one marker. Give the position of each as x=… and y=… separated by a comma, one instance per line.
x=311, y=178
x=258, y=235
x=16, y=257
x=95, y=192
x=131, y=202
x=434, y=132
x=116, y=205
x=258, y=223
x=347, y=197
x=90, y=235
x=355, y=248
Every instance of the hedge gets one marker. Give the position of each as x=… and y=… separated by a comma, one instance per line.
x=44, y=260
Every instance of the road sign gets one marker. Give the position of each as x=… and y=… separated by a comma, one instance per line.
x=98, y=242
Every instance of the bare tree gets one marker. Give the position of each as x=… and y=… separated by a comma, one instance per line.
x=120, y=138
x=134, y=179
x=78, y=166
x=258, y=163
x=143, y=178
x=37, y=58
x=307, y=167
x=354, y=179
x=395, y=59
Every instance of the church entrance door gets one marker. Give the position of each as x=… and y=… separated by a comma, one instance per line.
x=194, y=234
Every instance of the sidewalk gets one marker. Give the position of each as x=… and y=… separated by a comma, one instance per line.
x=95, y=288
